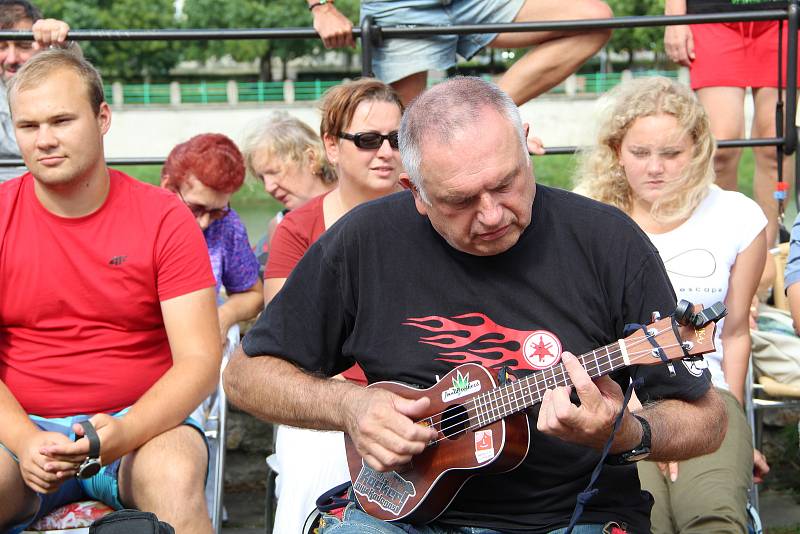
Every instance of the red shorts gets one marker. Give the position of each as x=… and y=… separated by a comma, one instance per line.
x=737, y=54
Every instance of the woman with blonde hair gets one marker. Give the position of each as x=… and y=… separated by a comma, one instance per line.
x=654, y=161
x=287, y=157
x=359, y=127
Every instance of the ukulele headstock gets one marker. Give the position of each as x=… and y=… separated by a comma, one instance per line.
x=685, y=334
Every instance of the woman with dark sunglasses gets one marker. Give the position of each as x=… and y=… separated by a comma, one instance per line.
x=359, y=131
x=204, y=172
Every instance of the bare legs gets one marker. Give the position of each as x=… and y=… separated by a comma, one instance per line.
x=766, y=160
x=725, y=107
x=18, y=502
x=166, y=476
x=555, y=56
x=409, y=87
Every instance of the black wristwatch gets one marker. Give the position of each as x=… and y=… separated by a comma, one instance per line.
x=639, y=452
x=91, y=465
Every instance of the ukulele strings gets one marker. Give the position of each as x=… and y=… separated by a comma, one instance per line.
x=505, y=399
x=535, y=376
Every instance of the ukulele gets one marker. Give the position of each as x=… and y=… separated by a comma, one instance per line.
x=483, y=428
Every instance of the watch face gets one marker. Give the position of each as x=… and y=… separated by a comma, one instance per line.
x=89, y=468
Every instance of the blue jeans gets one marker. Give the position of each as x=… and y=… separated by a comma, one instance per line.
x=397, y=58
x=358, y=522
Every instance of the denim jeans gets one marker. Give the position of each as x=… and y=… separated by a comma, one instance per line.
x=358, y=522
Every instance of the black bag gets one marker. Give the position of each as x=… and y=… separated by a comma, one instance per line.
x=130, y=522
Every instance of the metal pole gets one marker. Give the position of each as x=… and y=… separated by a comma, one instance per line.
x=796, y=180
x=728, y=143
x=177, y=35
x=551, y=150
x=790, y=130
x=584, y=24
x=791, y=81
x=368, y=34
x=419, y=31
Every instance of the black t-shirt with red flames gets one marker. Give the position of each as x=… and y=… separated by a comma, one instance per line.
x=383, y=288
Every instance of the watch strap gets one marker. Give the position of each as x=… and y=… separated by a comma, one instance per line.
x=94, y=440
x=639, y=452
x=319, y=3
x=647, y=433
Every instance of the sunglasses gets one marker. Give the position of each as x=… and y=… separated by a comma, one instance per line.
x=198, y=211
x=371, y=140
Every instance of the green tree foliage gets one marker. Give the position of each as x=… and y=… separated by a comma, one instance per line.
x=255, y=14
x=134, y=60
x=208, y=14
x=632, y=39
x=121, y=59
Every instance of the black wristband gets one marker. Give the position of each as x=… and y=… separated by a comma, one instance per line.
x=319, y=3
x=94, y=440
x=640, y=452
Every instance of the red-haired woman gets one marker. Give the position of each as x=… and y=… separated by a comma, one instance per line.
x=204, y=172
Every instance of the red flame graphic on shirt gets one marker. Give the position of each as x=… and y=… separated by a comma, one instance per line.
x=474, y=338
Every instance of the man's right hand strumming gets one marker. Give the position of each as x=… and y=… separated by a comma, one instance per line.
x=381, y=425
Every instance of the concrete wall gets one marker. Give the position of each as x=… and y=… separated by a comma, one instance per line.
x=152, y=131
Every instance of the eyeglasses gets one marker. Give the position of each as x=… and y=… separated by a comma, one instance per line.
x=371, y=140
x=198, y=211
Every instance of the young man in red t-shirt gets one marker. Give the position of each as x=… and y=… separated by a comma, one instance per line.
x=107, y=315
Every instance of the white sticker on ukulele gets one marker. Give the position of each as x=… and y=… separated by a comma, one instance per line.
x=484, y=446
x=542, y=349
x=461, y=387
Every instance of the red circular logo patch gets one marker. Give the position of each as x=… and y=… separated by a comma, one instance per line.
x=541, y=349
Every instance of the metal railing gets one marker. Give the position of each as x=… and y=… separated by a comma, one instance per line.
x=260, y=91
x=372, y=36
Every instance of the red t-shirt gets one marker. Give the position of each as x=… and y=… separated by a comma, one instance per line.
x=294, y=235
x=81, y=330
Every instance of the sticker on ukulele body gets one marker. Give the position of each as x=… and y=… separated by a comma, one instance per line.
x=542, y=349
x=484, y=446
x=461, y=387
x=388, y=490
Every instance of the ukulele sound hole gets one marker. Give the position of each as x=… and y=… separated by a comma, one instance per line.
x=455, y=421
